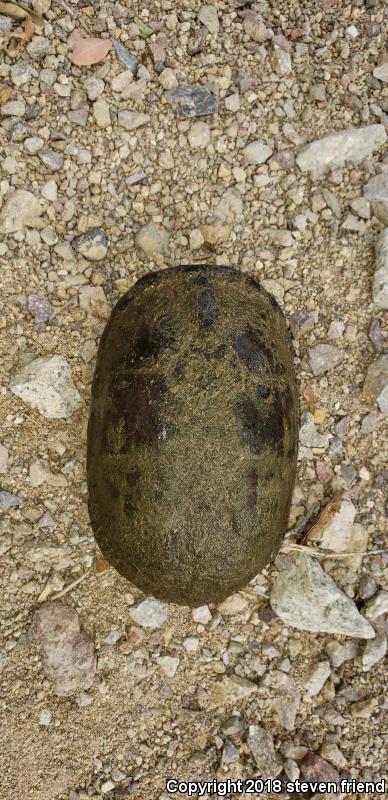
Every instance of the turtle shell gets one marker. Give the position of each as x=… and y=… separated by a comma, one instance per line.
x=193, y=431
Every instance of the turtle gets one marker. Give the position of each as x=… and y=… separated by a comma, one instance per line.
x=192, y=433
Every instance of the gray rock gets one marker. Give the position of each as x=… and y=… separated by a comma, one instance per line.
x=149, y=613
x=376, y=191
x=21, y=210
x=367, y=587
x=254, y=26
x=13, y=108
x=92, y=245
x=281, y=61
x=377, y=606
x=381, y=72
x=67, y=652
x=308, y=434
x=51, y=159
x=376, y=383
x=353, y=224
x=136, y=177
x=317, y=677
x=230, y=690
x=94, y=87
x=199, y=135
x=126, y=57
x=192, y=101
x=8, y=501
x=374, y=652
x=101, y=113
x=33, y=144
x=5, y=24
x=40, y=308
x=368, y=424
x=131, y=120
x=380, y=278
x=152, y=239
x=46, y=384
x=256, y=152
x=261, y=745
x=307, y=598
x=353, y=145
x=332, y=202
x=361, y=206
x=375, y=335
x=208, y=16
x=324, y=357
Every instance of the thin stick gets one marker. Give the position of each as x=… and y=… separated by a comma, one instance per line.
x=321, y=554
x=71, y=586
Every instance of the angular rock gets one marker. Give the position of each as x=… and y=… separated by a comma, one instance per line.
x=254, y=26
x=231, y=689
x=374, y=652
x=376, y=383
x=380, y=278
x=256, y=152
x=281, y=61
x=208, y=16
x=202, y=614
x=126, y=57
x=308, y=434
x=353, y=224
x=377, y=606
x=334, y=527
x=169, y=665
x=361, y=206
x=46, y=384
x=315, y=768
x=67, y=652
x=307, y=598
x=51, y=159
x=21, y=210
x=324, y=357
x=261, y=745
x=101, y=113
x=92, y=245
x=149, y=613
x=376, y=191
x=192, y=101
x=317, y=677
x=353, y=145
x=8, y=501
x=233, y=605
x=215, y=233
x=287, y=707
x=131, y=120
x=3, y=458
x=152, y=239
x=381, y=72
x=199, y=135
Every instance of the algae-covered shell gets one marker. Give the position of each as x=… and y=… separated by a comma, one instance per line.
x=193, y=432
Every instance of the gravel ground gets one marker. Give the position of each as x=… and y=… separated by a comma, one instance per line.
x=110, y=171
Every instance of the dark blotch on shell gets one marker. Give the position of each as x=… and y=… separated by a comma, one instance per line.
x=193, y=433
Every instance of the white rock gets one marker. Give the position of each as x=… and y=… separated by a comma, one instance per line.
x=191, y=644
x=374, y=652
x=46, y=384
x=45, y=717
x=317, y=677
x=232, y=102
x=209, y=18
x=377, y=606
x=256, y=152
x=149, y=613
x=130, y=120
x=353, y=144
x=307, y=598
x=334, y=528
x=201, y=614
x=199, y=135
x=50, y=191
x=196, y=239
x=380, y=278
x=168, y=664
x=22, y=209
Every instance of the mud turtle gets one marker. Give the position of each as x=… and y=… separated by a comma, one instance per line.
x=193, y=432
